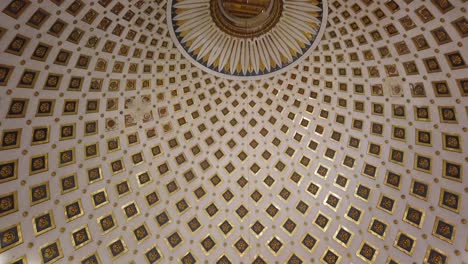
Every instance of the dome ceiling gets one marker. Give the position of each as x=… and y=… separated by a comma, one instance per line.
x=116, y=148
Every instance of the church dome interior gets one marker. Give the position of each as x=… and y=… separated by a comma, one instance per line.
x=233, y=131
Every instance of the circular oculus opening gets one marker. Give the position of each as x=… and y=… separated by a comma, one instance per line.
x=246, y=18
x=245, y=10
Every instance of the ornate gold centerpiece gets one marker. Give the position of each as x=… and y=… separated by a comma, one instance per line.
x=246, y=18
x=246, y=8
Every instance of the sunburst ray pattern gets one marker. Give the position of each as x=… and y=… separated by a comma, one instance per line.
x=201, y=40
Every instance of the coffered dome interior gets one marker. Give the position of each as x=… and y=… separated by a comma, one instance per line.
x=117, y=148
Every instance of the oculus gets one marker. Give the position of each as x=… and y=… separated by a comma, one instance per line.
x=239, y=39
